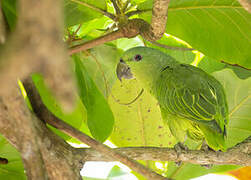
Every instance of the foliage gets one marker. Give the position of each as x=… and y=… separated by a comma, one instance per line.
x=218, y=30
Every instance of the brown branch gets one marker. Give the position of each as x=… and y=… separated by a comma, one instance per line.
x=131, y=29
x=159, y=18
x=44, y=154
x=238, y=155
x=105, y=13
x=246, y=4
x=101, y=40
x=42, y=112
x=236, y=65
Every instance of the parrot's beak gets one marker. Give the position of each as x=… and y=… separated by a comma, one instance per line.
x=123, y=71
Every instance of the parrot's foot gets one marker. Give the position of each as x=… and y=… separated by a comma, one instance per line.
x=207, y=166
x=179, y=147
x=205, y=147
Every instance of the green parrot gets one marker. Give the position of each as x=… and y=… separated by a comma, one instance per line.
x=193, y=103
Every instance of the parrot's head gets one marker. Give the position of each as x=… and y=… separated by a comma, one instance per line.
x=144, y=63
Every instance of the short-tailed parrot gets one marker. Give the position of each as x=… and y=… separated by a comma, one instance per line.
x=193, y=103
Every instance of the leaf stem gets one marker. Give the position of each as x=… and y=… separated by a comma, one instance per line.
x=105, y=13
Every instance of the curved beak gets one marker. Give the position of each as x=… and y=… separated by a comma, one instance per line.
x=123, y=71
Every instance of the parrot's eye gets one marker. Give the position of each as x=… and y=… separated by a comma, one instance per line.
x=137, y=57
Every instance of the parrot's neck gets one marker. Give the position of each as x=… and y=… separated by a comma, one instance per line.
x=148, y=73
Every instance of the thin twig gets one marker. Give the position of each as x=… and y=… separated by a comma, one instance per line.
x=172, y=47
x=131, y=13
x=95, y=42
x=105, y=13
x=116, y=7
x=44, y=114
x=236, y=65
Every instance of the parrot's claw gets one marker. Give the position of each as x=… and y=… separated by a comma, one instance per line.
x=179, y=147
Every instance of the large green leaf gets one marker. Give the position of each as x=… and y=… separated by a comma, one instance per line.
x=140, y=123
x=220, y=29
x=238, y=94
x=76, y=13
x=100, y=119
x=14, y=169
x=100, y=64
x=10, y=12
x=188, y=171
x=76, y=118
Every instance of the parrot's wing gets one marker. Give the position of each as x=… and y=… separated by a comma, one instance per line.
x=189, y=92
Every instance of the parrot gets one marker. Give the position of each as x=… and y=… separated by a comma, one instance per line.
x=192, y=102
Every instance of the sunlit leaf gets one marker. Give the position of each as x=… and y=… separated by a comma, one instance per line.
x=140, y=123
x=220, y=29
x=187, y=171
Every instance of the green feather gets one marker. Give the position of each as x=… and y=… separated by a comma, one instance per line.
x=193, y=103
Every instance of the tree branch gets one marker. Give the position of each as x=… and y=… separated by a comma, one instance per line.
x=44, y=154
x=246, y=4
x=42, y=112
x=238, y=155
x=159, y=18
x=105, y=13
x=133, y=28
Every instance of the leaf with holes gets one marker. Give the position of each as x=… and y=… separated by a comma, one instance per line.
x=139, y=123
x=220, y=29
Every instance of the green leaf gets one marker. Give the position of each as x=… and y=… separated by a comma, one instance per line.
x=100, y=119
x=187, y=171
x=140, y=123
x=181, y=56
x=76, y=13
x=76, y=118
x=100, y=64
x=14, y=169
x=10, y=12
x=95, y=24
x=115, y=172
x=220, y=29
x=238, y=94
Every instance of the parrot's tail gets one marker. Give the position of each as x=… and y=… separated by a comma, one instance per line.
x=214, y=139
